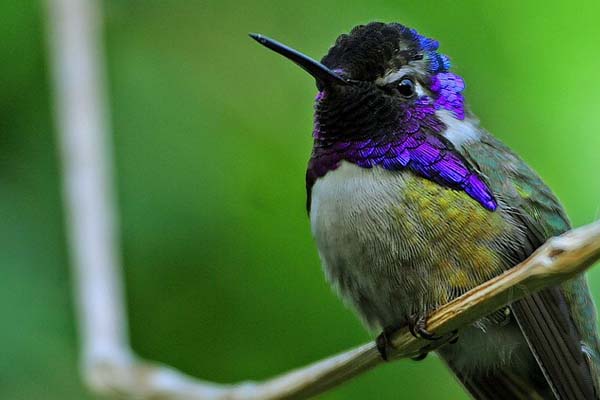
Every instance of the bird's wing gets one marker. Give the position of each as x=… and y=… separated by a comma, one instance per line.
x=546, y=317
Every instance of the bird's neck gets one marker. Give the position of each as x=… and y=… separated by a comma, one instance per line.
x=427, y=141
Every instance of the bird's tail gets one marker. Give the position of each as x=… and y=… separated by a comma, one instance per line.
x=502, y=384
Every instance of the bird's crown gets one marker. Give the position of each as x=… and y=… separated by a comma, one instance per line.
x=370, y=51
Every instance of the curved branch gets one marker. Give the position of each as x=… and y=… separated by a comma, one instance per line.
x=109, y=365
x=560, y=259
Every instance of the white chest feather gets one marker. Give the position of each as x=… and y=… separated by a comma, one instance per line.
x=344, y=192
x=357, y=237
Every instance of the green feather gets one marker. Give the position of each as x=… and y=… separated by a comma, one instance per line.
x=542, y=216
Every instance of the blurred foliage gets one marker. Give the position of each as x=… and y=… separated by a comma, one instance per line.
x=212, y=135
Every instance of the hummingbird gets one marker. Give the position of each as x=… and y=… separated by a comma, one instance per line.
x=412, y=203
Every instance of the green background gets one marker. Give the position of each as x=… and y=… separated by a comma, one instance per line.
x=212, y=135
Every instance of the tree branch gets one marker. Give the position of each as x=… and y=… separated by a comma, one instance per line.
x=108, y=364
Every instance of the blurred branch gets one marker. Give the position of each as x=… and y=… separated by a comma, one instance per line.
x=77, y=62
x=108, y=364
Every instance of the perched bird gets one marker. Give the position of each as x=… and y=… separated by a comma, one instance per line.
x=412, y=203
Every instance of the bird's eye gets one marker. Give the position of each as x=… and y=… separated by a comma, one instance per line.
x=406, y=87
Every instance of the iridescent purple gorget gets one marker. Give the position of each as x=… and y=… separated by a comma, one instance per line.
x=417, y=143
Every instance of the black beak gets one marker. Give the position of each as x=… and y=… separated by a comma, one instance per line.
x=320, y=72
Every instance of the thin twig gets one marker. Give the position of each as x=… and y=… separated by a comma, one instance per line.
x=77, y=62
x=108, y=363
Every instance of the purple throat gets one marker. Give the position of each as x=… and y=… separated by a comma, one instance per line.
x=416, y=145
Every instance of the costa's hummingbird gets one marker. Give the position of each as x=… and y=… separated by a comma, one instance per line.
x=412, y=203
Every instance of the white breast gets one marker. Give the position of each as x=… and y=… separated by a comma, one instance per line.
x=358, y=238
x=350, y=192
x=368, y=255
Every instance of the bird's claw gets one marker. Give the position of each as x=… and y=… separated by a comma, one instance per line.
x=417, y=327
x=454, y=338
x=420, y=357
x=384, y=342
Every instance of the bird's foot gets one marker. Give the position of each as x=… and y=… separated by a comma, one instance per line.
x=417, y=326
x=384, y=341
x=454, y=337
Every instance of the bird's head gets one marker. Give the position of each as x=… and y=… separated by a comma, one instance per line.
x=387, y=98
x=374, y=79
